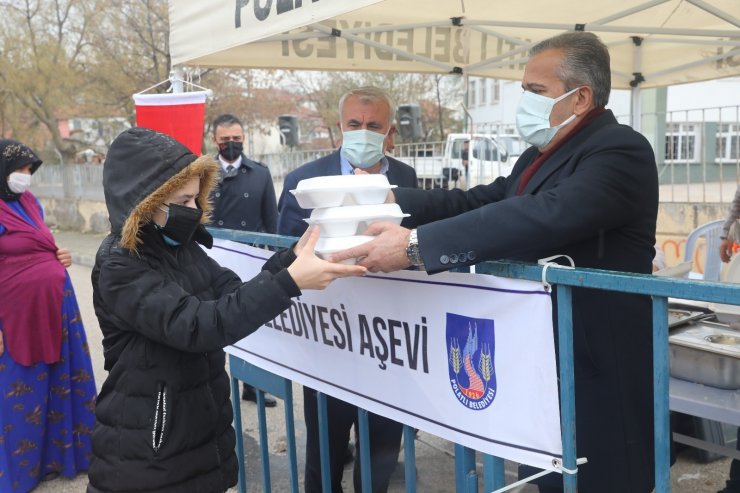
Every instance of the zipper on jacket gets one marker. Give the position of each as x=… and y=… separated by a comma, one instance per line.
x=160, y=417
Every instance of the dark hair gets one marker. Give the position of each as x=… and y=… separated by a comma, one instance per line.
x=585, y=62
x=225, y=120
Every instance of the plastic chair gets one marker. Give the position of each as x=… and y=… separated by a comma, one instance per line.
x=712, y=263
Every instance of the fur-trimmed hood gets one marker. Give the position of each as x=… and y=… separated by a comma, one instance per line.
x=142, y=169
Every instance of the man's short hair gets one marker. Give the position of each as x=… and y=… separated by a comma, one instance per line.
x=225, y=120
x=585, y=62
x=369, y=94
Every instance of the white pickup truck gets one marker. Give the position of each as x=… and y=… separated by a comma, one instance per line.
x=488, y=158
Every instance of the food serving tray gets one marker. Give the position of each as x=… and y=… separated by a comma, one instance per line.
x=353, y=219
x=706, y=353
x=326, y=246
x=333, y=191
x=677, y=316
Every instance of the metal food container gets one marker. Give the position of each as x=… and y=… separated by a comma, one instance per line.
x=678, y=316
x=706, y=353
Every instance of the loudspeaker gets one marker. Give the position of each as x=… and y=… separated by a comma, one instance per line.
x=289, y=131
x=408, y=117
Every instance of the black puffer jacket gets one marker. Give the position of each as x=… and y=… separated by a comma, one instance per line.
x=164, y=414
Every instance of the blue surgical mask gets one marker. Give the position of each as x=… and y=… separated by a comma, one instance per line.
x=533, y=118
x=362, y=148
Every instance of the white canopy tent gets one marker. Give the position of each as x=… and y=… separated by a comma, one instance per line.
x=666, y=41
x=652, y=43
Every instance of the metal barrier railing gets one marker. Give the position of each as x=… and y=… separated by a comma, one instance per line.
x=466, y=476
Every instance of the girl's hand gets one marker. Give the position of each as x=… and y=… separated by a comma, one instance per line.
x=64, y=256
x=310, y=272
x=2, y=344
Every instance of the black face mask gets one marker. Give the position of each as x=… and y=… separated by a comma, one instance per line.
x=230, y=150
x=181, y=224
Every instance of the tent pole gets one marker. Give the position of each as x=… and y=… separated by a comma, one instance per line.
x=466, y=83
x=635, y=106
x=176, y=78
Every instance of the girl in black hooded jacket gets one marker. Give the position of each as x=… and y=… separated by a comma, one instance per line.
x=166, y=310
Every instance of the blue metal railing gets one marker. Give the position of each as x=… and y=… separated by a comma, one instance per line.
x=465, y=468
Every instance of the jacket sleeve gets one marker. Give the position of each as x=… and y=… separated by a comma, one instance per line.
x=281, y=260
x=144, y=301
x=613, y=184
x=290, y=219
x=425, y=206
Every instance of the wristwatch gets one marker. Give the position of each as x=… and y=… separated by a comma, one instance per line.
x=412, y=250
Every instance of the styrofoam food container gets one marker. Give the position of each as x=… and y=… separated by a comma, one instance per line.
x=352, y=220
x=333, y=191
x=726, y=314
x=325, y=246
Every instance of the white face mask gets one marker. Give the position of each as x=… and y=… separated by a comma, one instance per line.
x=362, y=148
x=19, y=182
x=533, y=118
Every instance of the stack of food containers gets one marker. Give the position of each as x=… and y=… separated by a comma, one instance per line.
x=344, y=206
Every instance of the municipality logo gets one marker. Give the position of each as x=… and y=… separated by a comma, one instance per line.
x=470, y=357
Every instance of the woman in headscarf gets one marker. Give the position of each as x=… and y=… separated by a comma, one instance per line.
x=47, y=390
x=167, y=310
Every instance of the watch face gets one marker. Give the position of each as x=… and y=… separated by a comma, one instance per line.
x=412, y=253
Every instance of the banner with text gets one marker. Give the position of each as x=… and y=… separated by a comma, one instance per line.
x=466, y=357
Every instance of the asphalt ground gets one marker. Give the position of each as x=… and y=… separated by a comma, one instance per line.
x=434, y=456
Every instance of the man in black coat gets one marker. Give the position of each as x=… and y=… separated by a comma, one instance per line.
x=245, y=197
x=366, y=122
x=586, y=188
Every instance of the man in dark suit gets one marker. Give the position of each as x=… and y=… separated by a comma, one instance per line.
x=244, y=198
x=291, y=215
x=366, y=122
x=586, y=188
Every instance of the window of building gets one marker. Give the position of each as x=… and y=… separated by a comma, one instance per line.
x=728, y=142
x=681, y=142
x=472, y=94
x=495, y=92
x=483, y=94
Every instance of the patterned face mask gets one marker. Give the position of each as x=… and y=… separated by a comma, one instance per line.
x=230, y=150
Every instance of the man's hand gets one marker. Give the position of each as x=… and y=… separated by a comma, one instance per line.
x=725, y=250
x=386, y=253
x=64, y=257
x=390, y=198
